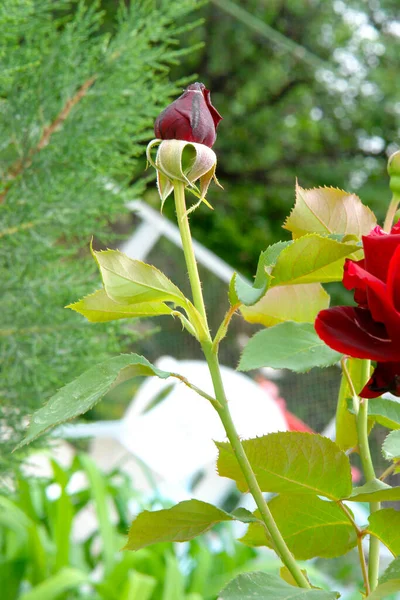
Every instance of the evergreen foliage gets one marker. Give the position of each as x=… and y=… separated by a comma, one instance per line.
x=77, y=106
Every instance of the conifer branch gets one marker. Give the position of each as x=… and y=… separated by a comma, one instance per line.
x=20, y=165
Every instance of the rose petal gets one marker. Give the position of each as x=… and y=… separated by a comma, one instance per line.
x=350, y=282
x=396, y=228
x=393, y=280
x=356, y=276
x=352, y=331
x=379, y=249
x=385, y=378
x=191, y=117
x=380, y=300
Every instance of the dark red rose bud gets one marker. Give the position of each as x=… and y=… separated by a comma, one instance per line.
x=191, y=118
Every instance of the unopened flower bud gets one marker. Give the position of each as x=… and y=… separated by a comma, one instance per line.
x=191, y=117
x=394, y=172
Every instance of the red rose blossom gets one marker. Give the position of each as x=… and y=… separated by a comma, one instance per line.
x=191, y=117
x=372, y=329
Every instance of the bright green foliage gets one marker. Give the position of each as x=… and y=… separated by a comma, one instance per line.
x=180, y=523
x=329, y=210
x=288, y=345
x=375, y=491
x=138, y=586
x=385, y=525
x=80, y=395
x=311, y=258
x=292, y=462
x=77, y=105
x=99, y=308
x=299, y=303
x=311, y=527
x=391, y=446
x=264, y=586
x=33, y=537
x=54, y=587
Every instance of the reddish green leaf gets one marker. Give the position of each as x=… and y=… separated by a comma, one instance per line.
x=329, y=210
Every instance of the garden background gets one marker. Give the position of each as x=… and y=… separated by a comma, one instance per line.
x=307, y=89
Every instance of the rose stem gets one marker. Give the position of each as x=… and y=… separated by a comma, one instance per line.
x=212, y=360
x=369, y=473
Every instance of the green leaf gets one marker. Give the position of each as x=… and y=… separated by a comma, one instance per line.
x=391, y=446
x=291, y=461
x=385, y=525
x=389, y=582
x=289, y=345
x=247, y=294
x=391, y=572
x=80, y=395
x=310, y=526
x=241, y=291
x=385, y=589
x=311, y=259
x=180, y=523
x=329, y=210
x=299, y=303
x=375, y=491
x=129, y=281
x=386, y=412
x=265, y=586
x=99, y=308
x=55, y=586
x=244, y=515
